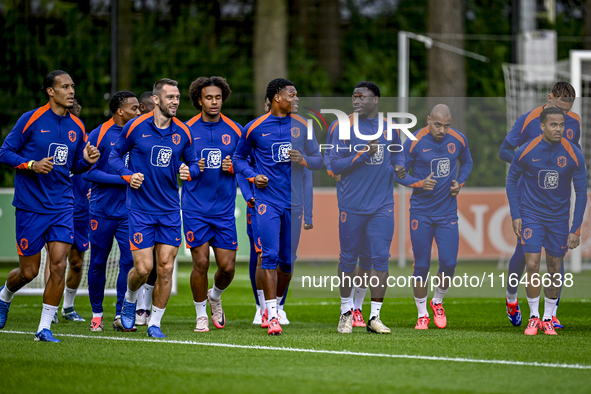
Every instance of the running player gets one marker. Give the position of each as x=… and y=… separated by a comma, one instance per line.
x=366, y=200
x=144, y=302
x=527, y=128
x=109, y=214
x=44, y=146
x=156, y=142
x=544, y=170
x=272, y=139
x=433, y=159
x=209, y=202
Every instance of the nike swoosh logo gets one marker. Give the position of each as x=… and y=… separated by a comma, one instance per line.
x=390, y=210
x=536, y=159
x=453, y=222
x=426, y=150
x=85, y=245
x=197, y=138
x=564, y=247
x=234, y=243
x=178, y=239
x=45, y=131
x=264, y=135
x=149, y=135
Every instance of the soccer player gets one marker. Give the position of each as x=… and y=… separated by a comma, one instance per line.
x=156, y=142
x=44, y=146
x=209, y=201
x=109, y=214
x=544, y=169
x=281, y=152
x=81, y=228
x=144, y=303
x=366, y=201
x=433, y=159
x=527, y=128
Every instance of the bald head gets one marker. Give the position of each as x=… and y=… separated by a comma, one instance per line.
x=442, y=110
x=439, y=121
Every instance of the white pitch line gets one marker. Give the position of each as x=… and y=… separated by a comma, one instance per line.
x=320, y=351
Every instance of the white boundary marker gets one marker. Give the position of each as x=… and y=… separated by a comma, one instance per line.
x=320, y=351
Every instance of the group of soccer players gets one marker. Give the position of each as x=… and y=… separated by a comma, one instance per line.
x=133, y=160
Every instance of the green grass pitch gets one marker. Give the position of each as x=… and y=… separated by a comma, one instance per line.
x=479, y=351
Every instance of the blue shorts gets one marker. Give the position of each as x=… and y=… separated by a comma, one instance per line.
x=366, y=238
x=145, y=230
x=274, y=225
x=220, y=232
x=252, y=229
x=445, y=230
x=34, y=230
x=552, y=235
x=81, y=233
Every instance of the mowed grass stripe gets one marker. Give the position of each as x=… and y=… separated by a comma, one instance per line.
x=321, y=351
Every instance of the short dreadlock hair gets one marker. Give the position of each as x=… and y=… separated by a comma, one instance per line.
x=203, y=82
x=370, y=85
x=277, y=85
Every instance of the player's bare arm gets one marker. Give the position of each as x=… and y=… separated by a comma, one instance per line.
x=517, y=227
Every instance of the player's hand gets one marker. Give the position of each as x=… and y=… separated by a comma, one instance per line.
x=201, y=164
x=88, y=194
x=517, y=228
x=136, y=180
x=373, y=147
x=91, y=153
x=399, y=171
x=574, y=240
x=296, y=156
x=428, y=183
x=250, y=203
x=338, y=177
x=227, y=163
x=308, y=226
x=43, y=166
x=261, y=181
x=184, y=172
x=455, y=188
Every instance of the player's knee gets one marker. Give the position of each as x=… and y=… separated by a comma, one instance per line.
x=420, y=273
x=27, y=274
x=285, y=267
x=201, y=264
x=143, y=271
x=76, y=265
x=532, y=265
x=448, y=267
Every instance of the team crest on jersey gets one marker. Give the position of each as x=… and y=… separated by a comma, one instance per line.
x=343, y=217
x=378, y=157
x=414, y=224
x=176, y=139
x=161, y=156
x=527, y=233
x=561, y=161
x=190, y=236
x=280, y=151
x=548, y=179
x=440, y=167
x=451, y=148
x=93, y=224
x=72, y=135
x=59, y=153
x=295, y=132
x=138, y=238
x=262, y=209
x=213, y=157
x=226, y=139
x=570, y=134
x=24, y=244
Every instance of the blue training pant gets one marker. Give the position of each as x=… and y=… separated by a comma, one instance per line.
x=102, y=232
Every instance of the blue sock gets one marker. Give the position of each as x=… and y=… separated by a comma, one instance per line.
x=252, y=268
x=516, y=268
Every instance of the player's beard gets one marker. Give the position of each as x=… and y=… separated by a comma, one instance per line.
x=165, y=111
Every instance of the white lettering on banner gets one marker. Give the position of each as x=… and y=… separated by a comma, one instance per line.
x=474, y=236
x=495, y=230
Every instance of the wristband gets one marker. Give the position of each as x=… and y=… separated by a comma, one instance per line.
x=30, y=164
